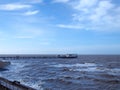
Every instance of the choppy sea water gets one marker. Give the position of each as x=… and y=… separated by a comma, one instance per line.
x=87, y=72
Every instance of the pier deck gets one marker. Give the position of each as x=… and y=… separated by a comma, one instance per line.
x=25, y=56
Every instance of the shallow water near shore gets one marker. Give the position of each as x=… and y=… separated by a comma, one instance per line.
x=87, y=72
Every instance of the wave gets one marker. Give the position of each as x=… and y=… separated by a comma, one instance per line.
x=87, y=67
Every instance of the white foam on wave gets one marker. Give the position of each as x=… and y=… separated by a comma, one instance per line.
x=13, y=74
x=89, y=67
x=17, y=67
x=79, y=66
x=114, y=71
x=76, y=65
x=13, y=70
x=92, y=69
x=36, y=85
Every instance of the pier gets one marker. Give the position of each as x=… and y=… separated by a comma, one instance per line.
x=25, y=56
x=5, y=84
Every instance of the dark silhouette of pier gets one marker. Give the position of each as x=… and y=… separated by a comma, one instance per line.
x=26, y=56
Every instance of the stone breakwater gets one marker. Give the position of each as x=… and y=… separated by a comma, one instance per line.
x=3, y=64
x=6, y=84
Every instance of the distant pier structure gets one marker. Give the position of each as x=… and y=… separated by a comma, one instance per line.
x=26, y=56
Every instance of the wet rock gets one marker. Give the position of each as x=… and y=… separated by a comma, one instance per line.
x=107, y=76
x=67, y=77
x=108, y=81
x=114, y=81
x=79, y=78
x=65, y=69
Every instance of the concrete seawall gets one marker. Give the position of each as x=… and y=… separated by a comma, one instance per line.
x=5, y=84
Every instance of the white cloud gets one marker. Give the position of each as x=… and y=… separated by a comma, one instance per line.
x=102, y=10
x=83, y=4
x=70, y=26
x=94, y=15
x=28, y=13
x=14, y=6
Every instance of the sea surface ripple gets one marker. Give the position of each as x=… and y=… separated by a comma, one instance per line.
x=87, y=72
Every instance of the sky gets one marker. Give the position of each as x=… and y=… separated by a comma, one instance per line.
x=59, y=26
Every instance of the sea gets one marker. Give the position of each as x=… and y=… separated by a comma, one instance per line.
x=87, y=72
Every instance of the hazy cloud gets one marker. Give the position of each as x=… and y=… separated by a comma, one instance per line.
x=28, y=13
x=60, y=1
x=24, y=37
x=14, y=6
x=31, y=1
x=83, y=5
x=70, y=26
x=35, y=1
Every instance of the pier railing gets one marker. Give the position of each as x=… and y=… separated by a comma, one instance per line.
x=4, y=57
x=12, y=85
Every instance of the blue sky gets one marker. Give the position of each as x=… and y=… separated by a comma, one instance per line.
x=59, y=26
